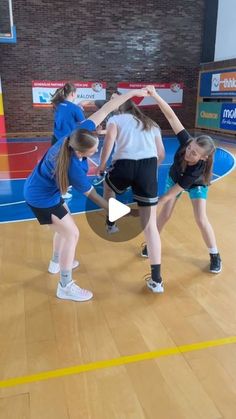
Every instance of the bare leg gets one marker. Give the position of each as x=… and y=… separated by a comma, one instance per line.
x=57, y=243
x=165, y=213
x=152, y=237
x=199, y=210
x=68, y=235
x=161, y=219
x=208, y=235
x=66, y=238
x=108, y=192
x=111, y=227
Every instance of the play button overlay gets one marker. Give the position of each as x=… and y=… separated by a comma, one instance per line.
x=120, y=212
x=117, y=210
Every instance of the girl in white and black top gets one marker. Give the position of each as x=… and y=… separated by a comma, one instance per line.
x=191, y=171
x=137, y=154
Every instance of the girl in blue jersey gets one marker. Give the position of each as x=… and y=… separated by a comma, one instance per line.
x=66, y=163
x=67, y=115
x=190, y=171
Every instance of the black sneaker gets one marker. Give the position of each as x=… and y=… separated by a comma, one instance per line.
x=144, y=251
x=215, y=263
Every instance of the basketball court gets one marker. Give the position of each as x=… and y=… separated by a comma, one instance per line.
x=127, y=353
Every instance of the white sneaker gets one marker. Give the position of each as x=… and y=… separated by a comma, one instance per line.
x=157, y=287
x=73, y=292
x=54, y=267
x=67, y=195
x=112, y=229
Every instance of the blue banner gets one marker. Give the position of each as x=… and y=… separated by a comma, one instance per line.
x=218, y=83
x=228, y=116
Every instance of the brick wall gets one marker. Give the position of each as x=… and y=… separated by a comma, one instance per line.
x=135, y=40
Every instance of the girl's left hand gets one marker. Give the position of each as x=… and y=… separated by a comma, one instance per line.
x=99, y=170
x=141, y=92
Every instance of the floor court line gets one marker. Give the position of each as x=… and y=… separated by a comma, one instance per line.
x=123, y=360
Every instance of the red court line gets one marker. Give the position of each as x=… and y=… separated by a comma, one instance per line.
x=17, y=160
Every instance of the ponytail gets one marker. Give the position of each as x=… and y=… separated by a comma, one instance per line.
x=62, y=93
x=62, y=166
x=208, y=169
x=207, y=143
x=132, y=109
x=81, y=141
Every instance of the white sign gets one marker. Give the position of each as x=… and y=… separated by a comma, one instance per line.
x=43, y=90
x=172, y=93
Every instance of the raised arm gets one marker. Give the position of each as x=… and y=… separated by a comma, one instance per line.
x=166, y=110
x=114, y=103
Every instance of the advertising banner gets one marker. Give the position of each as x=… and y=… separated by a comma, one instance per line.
x=208, y=115
x=43, y=90
x=172, y=93
x=218, y=83
x=228, y=116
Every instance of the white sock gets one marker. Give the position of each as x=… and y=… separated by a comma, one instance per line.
x=65, y=278
x=55, y=257
x=213, y=250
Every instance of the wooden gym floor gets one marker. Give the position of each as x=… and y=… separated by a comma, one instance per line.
x=67, y=360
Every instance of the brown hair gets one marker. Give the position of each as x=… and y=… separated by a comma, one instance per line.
x=80, y=140
x=208, y=145
x=130, y=108
x=62, y=93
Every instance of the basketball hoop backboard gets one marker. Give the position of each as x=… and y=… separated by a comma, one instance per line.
x=7, y=27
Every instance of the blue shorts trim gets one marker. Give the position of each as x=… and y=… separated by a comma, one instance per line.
x=198, y=192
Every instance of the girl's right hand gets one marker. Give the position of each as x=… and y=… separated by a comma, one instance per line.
x=151, y=90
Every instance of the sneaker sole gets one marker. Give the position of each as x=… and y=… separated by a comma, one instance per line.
x=143, y=256
x=215, y=272
x=72, y=299
x=155, y=292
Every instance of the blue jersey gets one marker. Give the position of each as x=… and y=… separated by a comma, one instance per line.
x=41, y=189
x=66, y=119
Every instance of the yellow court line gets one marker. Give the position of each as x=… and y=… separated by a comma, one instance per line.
x=92, y=366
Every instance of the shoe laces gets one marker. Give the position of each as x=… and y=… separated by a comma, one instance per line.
x=75, y=288
x=214, y=255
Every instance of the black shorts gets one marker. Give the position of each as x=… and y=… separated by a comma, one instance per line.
x=44, y=215
x=141, y=175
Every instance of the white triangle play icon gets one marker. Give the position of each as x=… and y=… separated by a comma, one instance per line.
x=116, y=209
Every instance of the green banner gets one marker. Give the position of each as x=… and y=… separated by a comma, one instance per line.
x=208, y=115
